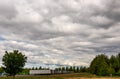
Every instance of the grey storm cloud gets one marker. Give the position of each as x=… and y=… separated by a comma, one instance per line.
x=57, y=32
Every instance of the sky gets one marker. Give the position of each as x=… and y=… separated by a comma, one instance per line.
x=60, y=32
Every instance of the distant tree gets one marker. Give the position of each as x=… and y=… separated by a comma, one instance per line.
x=83, y=69
x=56, y=69
x=63, y=68
x=36, y=68
x=13, y=62
x=70, y=68
x=59, y=69
x=78, y=69
x=67, y=69
x=33, y=68
x=40, y=68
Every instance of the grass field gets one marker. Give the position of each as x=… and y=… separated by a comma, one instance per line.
x=62, y=76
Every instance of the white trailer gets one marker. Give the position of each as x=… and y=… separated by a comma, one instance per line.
x=40, y=72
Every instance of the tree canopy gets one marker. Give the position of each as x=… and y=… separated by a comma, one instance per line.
x=13, y=62
x=102, y=65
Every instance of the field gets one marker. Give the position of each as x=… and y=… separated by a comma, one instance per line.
x=62, y=76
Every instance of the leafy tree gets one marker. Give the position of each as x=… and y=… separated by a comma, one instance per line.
x=63, y=68
x=59, y=69
x=36, y=68
x=111, y=71
x=13, y=62
x=118, y=58
x=74, y=68
x=114, y=63
x=56, y=69
x=67, y=69
x=40, y=68
x=78, y=69
x=100, y=65
x=83, y=69
x=33, y=68
x=70, y=68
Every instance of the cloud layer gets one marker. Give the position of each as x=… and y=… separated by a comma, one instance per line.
x=57, y=32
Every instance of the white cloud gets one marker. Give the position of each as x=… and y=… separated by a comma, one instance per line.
x=26, y=13
x=69, y=32
x=100, y=20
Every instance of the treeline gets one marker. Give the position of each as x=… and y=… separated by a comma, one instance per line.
x=39, y=68
x=64, y=68
x=102, y=65
x=75, y=69
x=72, y=69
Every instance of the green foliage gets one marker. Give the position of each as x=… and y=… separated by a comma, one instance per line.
x=71, y=68
x=63, y=68
x=115, y=63
x=24, y=71
x=36, y=68
x=74, y=69
x=1, y=70
x=83, y=69
x=40, y=68
x=78, y=69
x=100, y=65
x=13, y=62
x=118, y=58
x=33, y=68
x=67, y=68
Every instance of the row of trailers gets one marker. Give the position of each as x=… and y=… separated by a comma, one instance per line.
x=46, y=72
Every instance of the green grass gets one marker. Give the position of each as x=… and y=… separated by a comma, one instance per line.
x=60, y=76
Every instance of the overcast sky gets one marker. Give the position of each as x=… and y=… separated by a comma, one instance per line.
x=60, y=32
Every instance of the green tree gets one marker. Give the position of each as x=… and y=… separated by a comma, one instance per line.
x=78, y=69
x=1, y=70
x=70, y=68
x=74, y=68
x=33, y=68
x=100, y=65
x=114, y=63
x=36, y=68
x=40, y=68
x=118, y=58
x=63, y=68
x=67, y=68
x=83, y=69
x=13, y=62
x=59, y=69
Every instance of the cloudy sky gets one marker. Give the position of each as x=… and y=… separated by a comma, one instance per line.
x=60, y=32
